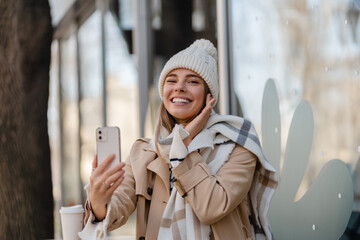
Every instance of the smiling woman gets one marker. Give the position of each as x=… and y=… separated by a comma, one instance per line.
x=184, y=94
x=202, y=176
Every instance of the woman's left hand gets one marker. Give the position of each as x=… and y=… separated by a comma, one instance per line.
x=103, y=183
x=198, y=123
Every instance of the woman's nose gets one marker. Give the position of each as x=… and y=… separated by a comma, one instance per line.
x=180, y=86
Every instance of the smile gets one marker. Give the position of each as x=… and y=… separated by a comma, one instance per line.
x=180, y=100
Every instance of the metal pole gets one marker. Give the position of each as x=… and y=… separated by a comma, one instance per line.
x=61, y=120
x=226, y=98
x=78, y=78
x=101, y=5
x=143, y=51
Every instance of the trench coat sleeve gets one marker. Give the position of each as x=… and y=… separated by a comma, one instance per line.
x=123, y=201
x=136, y=182
x=214, y=196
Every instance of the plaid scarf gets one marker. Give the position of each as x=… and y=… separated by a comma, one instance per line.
x=219, y=135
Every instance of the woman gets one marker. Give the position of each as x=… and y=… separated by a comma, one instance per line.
x=202, y=176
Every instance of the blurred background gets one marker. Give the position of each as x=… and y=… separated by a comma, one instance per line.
x=107, y=56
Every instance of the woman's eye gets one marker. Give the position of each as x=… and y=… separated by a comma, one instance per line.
x=170, y=81
x=194, y=81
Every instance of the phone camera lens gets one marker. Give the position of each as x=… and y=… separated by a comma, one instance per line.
x=99, y=132
x=100, y=137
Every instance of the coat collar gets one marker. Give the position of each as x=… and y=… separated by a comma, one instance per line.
x=159, y=167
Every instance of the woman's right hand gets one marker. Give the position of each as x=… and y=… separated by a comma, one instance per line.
x=198, y=123
x=103, y=183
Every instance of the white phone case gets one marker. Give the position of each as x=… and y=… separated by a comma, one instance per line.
x=108, y=142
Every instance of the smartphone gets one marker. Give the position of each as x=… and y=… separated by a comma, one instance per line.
x=108, y=142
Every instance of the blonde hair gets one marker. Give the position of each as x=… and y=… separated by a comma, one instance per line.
x=167, y=121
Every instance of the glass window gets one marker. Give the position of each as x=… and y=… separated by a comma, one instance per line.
x=59, y=8
x=126, y=14
x=311, y=49
x=91, y=90
x=122, y=97
x=70, y=124
x=121, y=79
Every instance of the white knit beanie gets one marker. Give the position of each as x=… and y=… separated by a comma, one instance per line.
x=200, y=57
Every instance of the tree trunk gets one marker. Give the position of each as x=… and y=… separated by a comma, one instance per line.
x=26, y=202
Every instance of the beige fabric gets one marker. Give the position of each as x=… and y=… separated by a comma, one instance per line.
x=219, y=200
x=214, y=156
x=221, y=130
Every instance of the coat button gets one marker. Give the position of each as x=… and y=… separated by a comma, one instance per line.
x=149, y=191
x=141, y=238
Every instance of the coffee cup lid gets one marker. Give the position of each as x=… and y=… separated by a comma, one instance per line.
x=72, y=209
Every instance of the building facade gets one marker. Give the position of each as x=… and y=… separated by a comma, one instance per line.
x=107, y=56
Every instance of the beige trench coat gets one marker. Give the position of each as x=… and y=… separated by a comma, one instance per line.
x=220, y=200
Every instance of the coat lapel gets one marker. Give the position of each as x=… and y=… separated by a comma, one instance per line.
x=162, y=170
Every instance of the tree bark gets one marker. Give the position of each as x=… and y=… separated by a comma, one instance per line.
x=26, y=202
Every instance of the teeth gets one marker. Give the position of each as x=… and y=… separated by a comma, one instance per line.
x=180, y=100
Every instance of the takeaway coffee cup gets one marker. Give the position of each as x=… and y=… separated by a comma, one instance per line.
x=71, y=221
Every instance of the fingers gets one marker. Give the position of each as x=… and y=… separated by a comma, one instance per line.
x=212, y=101
x=209, y=103
x=104, y=181
x=94, y=163
x=102, y=173
x=105, y=163
x=209, y=100
x=113, y=170
x=113, y=180
x=114, y=176
x=197, y=124
x=107, y=176
x=107, y=186
x=118, y=182
x=101, y=189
